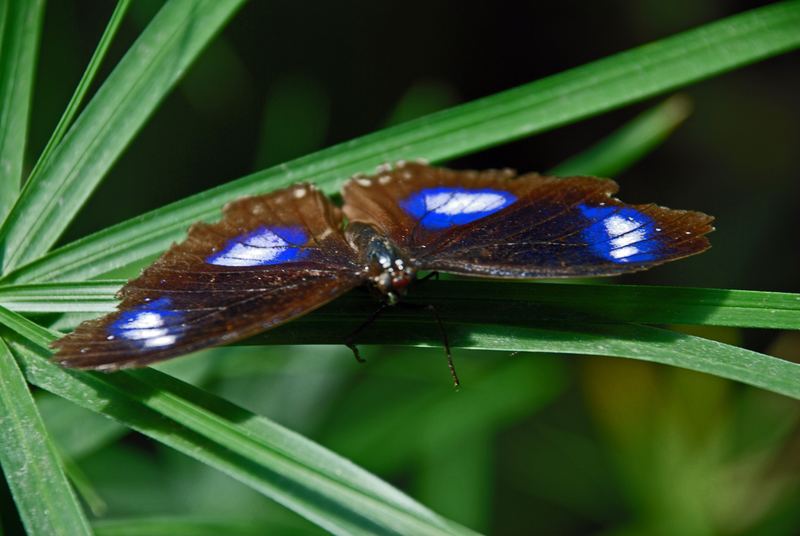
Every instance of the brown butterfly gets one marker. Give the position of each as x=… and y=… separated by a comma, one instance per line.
x=278, y=256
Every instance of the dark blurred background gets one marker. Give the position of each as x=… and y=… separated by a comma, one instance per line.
x=548, y=444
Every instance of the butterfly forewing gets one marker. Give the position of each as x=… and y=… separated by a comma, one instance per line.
x=494, y=224
x=270, y=259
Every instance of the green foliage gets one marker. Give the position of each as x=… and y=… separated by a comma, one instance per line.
x=270, y=460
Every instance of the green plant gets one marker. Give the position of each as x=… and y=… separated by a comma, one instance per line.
x=292, y=470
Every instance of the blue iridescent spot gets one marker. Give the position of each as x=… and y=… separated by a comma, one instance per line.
x=263, y=246
x=620, y=234
x=152, y=324
x=446, y=206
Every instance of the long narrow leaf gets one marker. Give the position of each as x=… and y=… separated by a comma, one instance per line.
x=623, y=303
x=20, y=22
x=473, y=324
x=299, y=474
x=563, y=98
x=83, y=86
x=44, y=498
x=553, y=333
x=90, y=296
x=151, y=67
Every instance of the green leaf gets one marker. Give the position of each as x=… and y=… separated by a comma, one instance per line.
x=292, y=470
x=150, y=68
x=83, y=86
x=20, y=25
x=487, y=330
x=89, y=296
x=630, y=143
x=557, y=100
x=76, y=431
x=505, y=300
x=44, y=498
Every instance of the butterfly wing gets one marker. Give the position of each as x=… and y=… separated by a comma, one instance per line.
x=270, y=259
x=498, y=225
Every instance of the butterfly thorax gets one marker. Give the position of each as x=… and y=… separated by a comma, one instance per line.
x=388, y=269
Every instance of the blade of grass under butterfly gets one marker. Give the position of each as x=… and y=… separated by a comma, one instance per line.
x=553, y=101
x=629, y=143
x=147, y=72
x=20, y=25
x=471, y=323
x=622, y=303
x=83, y=85
x=44, y=499
x=487, y=330
x=301, y=475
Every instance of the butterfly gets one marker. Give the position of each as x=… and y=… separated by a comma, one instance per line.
x=275, y=257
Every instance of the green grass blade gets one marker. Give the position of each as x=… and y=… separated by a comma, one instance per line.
x=90, y=296
x=20, y=22
x=496, y=300
x=149, y=70
x=555, y=334
x=44, y=498
x=285, y=466
x=477, y=324
x=629, y=143
x=83, y=86
x=563, y=98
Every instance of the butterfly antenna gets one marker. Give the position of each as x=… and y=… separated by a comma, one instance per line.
x=430, y=307
x=349, y=341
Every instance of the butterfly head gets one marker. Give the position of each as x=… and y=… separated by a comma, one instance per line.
x=388, y=270
x=391, y=279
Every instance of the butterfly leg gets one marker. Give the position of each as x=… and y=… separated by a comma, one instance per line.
x=445, y=342
x=349, y=341
x=430, y=307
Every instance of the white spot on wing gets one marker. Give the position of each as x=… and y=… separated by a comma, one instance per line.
x=255, y=251
x=622, y=233
x=451, y=204
x=147, y=326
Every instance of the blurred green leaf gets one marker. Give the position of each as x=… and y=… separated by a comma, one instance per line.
x=295, y=120
x=557, y=100
x=292, y=470
x=43, y=496
x=77, y=431
x=629, y=143
x=496, y=396
x=184, y=526
x=422, y=98
x=504, y=300
x=151, y=67
x=20, y=25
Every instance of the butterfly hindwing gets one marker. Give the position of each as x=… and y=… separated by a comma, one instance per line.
x=270, y=259
x=495, y=224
